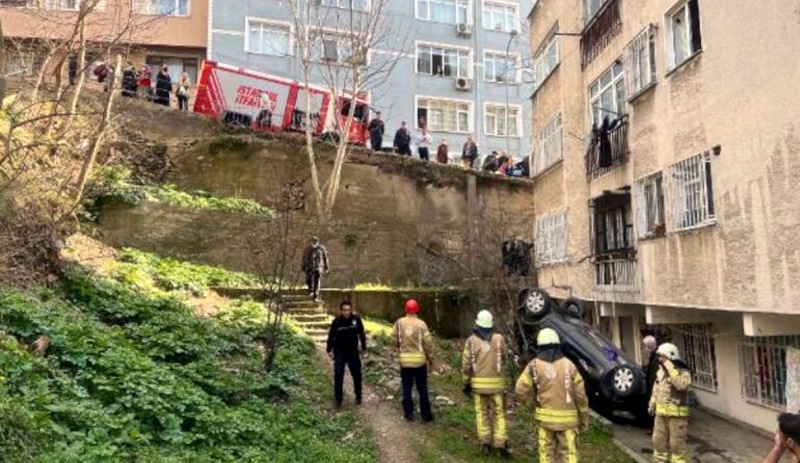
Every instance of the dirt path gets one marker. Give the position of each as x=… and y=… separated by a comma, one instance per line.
x=393, y=434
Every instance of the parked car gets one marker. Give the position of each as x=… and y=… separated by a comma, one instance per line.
x=613, y=380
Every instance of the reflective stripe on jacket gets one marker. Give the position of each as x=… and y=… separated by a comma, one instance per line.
x=482, y=363
x=671, y=391
x=559, y=392
x=414, y=341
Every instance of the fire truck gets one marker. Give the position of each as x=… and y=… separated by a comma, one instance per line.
x=262, y=102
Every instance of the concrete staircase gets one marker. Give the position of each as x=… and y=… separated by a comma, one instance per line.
x=310, y=316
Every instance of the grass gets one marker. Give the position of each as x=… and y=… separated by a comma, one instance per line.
x=453, y=433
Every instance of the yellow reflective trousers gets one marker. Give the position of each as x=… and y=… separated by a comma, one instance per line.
x=491, y=432
x=669, y=439
x=558, y=446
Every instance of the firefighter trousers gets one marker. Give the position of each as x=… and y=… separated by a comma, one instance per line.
x=669, y=439
x=490, y=417
x=558, y=446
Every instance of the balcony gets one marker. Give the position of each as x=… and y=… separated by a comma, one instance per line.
x=614, y=254
x=608, y=148
x=616, y=275
x=605, y=24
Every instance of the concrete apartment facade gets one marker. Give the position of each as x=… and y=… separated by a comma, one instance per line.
x=427, y=31
x=680, y=217
x=156, y=32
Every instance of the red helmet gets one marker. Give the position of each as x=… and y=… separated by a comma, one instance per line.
x=412, y=306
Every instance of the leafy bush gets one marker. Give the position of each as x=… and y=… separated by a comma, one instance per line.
x=132, y=374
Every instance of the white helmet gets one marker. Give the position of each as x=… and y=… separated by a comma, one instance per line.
x=547, y=336
x=669, y=351
x=484, y=319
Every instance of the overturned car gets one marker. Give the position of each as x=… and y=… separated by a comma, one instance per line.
x=614, y=382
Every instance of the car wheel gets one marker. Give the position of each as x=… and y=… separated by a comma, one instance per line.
x=534, y=304
x=623, y=380
x=574, y=307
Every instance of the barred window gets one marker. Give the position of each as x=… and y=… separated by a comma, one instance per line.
x=692, y=192
x=640, y=62
x=696, y=344
x=550, y=233
x=762, y=369
x=548, y=146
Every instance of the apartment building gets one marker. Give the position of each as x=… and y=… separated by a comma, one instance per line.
x=666, y=152
x=460, y=68
x=156, y=32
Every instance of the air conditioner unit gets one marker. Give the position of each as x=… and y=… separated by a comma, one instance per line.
x=463, y=84
x=464, y=29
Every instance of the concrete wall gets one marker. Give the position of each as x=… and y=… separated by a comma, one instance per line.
x=397, y=221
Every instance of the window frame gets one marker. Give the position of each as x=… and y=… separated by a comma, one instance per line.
x=750, y=379
x=510, y=57
x=458, y=111
x=466, y=4
x=288, y=27
x=553, y=129
x=551, y=233
x=540, y=59
x=671, y=55
x=143, y=4
x=338, y=4
x=692, y=197
x=444, y=48
x=327, y=34
x=633, y=63
x=517, y=110
x=617, y=79
x=646, y=229
x=505, y=5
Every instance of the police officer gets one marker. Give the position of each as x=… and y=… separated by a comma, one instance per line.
x=482, y=360
x=669, y=404
x=345, y=333
x=562, y=408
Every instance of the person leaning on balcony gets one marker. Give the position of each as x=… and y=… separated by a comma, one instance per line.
x=787, y=438
x=669, y=404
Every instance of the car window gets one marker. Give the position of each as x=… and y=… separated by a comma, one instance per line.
x=578, y=328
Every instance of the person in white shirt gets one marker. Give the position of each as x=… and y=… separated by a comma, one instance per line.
x=424, y=140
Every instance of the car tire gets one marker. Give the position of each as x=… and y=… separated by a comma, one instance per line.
x=534, y=304
x=623, y=381
x=574, y=307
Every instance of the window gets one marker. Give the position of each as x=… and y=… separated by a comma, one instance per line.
x=177, y=66
x=603, y=24
x=496, y=122
x=550, y=233
x=164, y=7
x=500, y=16
x=545, y=61
x=640, y=62
x=356, y=5
x=336, y=47
x=268, y=38
x=762, y=366
x=446, y=62
x=696, y=345
x=607, y=95
x=613, y=228
x=592, y=7
x=443, y=11
x=499, y=67
x=683, y=33
x=650, y=206
x=445, y=115
x=548, y=146
x=692, y=192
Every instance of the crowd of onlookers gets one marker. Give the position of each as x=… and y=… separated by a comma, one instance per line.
x=499, y=163
x=139, y=83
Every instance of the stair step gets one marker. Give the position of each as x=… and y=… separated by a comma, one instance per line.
x=316, y=332
x=314, y=326
x=311, y=318
x=301, y=305
x=319, y=339
x=305, y=311
x=296, y=297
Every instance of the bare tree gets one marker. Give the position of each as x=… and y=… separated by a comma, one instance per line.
x=347, y=52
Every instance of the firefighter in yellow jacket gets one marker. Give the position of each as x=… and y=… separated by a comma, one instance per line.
x=413, y=340
x=482, y=361
x=562, y=408
x=669, y=404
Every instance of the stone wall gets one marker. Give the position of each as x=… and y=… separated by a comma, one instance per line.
x=396, y=221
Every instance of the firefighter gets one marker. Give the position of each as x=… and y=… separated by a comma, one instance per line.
x=670, y=406
x=562, y=408
x=482, y=363
x=415, y=344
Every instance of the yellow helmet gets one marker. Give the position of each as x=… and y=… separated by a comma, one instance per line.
x=547, y=336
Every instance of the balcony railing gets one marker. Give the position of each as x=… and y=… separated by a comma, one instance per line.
x=608, y=149
x=604, y=25
x=618, y=274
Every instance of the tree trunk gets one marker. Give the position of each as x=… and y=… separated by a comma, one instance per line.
x=73, y=105
x=310, y=150
x=2, y=65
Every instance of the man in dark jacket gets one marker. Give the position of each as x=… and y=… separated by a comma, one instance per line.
x=345, y=333
x=649, y=346
x=163, y=87
x=402, y=140
x=315, y=263
x=376, y=129
x=469, y=153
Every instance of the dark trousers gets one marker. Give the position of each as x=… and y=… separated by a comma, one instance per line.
x=313, y=281
x=404, y=150
x=419, y=375
x=353, y=363
x=424, y=154
x=376, y=143
x=183, y=102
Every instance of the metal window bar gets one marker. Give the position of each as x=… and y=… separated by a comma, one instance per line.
x=618, y=139
x=550, y=233
x=639, y=57
x=696, y=344
x=619, y=274
x=691, y=188
x=602, y=28
x=549, y=145
x=762, y=369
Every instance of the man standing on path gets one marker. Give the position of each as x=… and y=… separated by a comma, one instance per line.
x=315, y=263
x=415, y=346
x=562, y=408
x=345, y=333
x=669, y=404
x=787, y=438
x=424, y=140
x=649, y=345
x=402, y=140
x=376, y=129
x=482, y=360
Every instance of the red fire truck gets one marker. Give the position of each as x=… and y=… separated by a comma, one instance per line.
x=263, y=102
